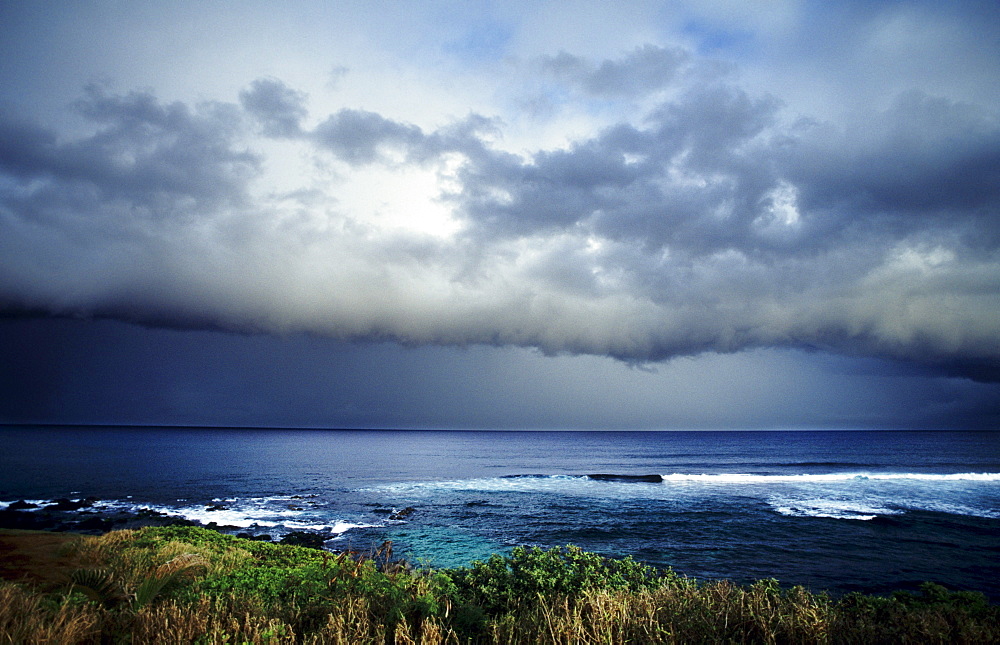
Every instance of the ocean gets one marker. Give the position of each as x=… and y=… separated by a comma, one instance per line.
x=834, y=511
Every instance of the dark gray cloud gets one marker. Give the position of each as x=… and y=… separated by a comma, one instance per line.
x=362, y=137
x=93, y=225
x=359, y=137
x=149, y=154
x=278, y=108
x=642, y=71
x=697, y=177
x=710, y=168
x=926, y=163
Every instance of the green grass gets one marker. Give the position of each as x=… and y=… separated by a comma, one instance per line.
x=193, y=585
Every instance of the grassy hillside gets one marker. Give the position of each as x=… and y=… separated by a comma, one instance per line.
x=185, y=584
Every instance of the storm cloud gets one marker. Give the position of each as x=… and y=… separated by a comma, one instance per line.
x=707, y=218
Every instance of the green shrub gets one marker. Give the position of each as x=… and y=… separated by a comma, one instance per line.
x=503, y=583
x=935, y=615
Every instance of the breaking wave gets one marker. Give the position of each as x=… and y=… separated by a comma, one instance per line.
x=742, y=478
x=847, y=495
x=721, y=478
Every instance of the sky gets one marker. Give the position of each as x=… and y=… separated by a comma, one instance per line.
x=519, y=214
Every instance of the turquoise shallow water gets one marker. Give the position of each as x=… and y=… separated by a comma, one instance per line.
x=841, y=511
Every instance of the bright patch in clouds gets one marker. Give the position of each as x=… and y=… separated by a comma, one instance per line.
x=405, y=200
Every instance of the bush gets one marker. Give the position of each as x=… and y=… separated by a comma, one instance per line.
x=935, y=615
x=504, y=583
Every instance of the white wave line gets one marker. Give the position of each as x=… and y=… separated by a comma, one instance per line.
x=519, y=483
x=829, y=477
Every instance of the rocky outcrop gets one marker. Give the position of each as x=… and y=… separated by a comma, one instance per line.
x=304, y=538
x=650, y=479
x=20, y=505
x=64, y=504
x=403, y=514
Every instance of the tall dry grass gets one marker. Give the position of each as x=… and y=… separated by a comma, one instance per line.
x=718, y=612
x=29, y=617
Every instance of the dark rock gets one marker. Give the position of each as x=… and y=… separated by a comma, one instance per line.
x=148, y=512
x=25, y=520
x=96, y=523
x=215, y=507
x=303, y=538
x=406, y=512
x=20, y=505
x=650, y=479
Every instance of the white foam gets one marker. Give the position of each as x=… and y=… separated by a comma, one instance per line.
x=343, y=527
x=833, y=508
x=959, y=509
x=795, y=511
x=492, y=484
x=258, y=512
x=199, y=513
x=39, y=503
x=221, y=517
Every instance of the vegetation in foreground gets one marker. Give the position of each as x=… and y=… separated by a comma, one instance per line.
x=187, y=584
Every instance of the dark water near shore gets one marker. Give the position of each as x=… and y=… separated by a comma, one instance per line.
x=840, y=511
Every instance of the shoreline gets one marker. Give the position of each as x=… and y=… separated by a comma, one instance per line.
x=82, y=515
x=86, y=516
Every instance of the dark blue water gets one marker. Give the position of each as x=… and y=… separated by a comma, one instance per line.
x=837, y=511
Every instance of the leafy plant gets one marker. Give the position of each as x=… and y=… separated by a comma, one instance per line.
x=99, y=585
x=167, y=576
x=504, y=583
x=109, y=588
